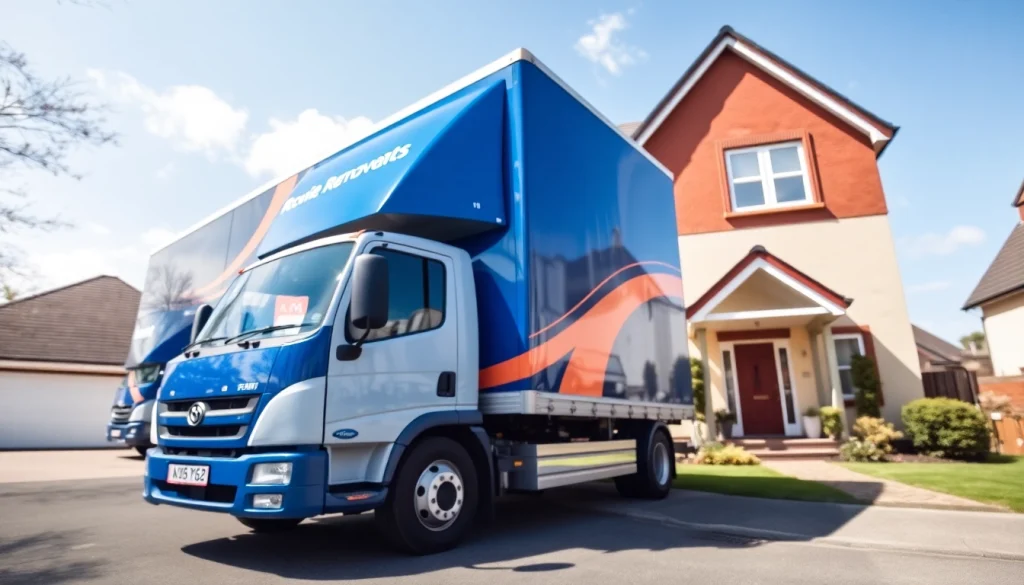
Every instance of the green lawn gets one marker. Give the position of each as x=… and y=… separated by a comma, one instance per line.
x=755, y=481
x=999, y=482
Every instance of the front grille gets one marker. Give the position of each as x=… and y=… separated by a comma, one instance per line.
x=120, y=414
x=205, y=431
x=221, y=494
x=195, y=452
x=214, y=404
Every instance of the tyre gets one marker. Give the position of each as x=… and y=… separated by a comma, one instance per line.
x=653, y=477
x=433, y=498
x=141, y=450
x=270, y=525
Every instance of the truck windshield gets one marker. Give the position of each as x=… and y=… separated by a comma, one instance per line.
x=287, y=296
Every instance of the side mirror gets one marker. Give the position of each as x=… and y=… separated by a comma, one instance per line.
x=199, y=321
x=369, y=305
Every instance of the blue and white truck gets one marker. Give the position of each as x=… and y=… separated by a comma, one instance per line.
x=483, y=295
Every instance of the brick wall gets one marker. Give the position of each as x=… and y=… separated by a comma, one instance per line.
x=1012, y=386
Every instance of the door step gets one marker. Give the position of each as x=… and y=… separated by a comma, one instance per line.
x=782, y=448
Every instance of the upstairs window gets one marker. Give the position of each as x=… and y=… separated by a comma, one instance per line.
x=767, y=176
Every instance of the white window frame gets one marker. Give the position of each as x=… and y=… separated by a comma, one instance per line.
x=767, y=176
x=839, y=367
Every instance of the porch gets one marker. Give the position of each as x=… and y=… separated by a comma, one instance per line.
x=773, y=342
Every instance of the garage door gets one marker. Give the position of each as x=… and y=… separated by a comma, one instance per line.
x=47, y=411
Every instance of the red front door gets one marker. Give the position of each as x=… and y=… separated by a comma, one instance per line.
x=759, y=389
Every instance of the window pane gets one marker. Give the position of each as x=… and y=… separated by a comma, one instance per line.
x=785, y=159
x=729, y=390
x=748, y=194
x=790, y=189
x=787, y=385
x=744, y=165
x=845, y=350
x=412, y=281
x=846, y=380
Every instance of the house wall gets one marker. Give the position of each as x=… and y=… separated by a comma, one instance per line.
x=854, y=256
x=48, y=410
x=1004, y=333
x=735, y=102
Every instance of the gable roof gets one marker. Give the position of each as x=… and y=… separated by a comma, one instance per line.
x=1018, y=200
x=87, y=322
x=878, y=131
x=1006, y=273
x=935, y=346
x=758, y=255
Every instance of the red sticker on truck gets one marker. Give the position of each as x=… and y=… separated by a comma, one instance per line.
x=290, y=310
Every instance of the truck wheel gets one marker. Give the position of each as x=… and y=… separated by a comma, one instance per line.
x=141, y=450
x=270, y=525
x=653, y=477
x=433, y=498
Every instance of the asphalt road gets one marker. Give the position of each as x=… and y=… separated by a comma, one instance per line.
x=100, y=531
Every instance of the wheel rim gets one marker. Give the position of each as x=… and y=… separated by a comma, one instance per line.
x=438, y=495
x=661, y=462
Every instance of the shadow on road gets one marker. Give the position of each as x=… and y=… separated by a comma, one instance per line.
x=40, y=558
x=350, y=548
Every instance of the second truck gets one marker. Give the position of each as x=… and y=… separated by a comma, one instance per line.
x=483, y=295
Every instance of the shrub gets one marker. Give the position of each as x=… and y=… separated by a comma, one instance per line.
x=865, y=379
x=943, y=427
x=812, y=411
x=831, y=422
x=859, y=450
x=719, y=454
x=724, y=416
x=697, y=379
x=877, y=432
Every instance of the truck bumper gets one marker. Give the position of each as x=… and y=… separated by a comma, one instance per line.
x=229, y=489
x=133, y=434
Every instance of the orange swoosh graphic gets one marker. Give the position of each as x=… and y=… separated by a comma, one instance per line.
x=281, y=193
x=590, y=339
x=594, y=290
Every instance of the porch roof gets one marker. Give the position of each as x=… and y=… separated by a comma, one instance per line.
x=763, y=287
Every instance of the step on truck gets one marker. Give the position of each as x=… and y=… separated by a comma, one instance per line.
x=481, y=296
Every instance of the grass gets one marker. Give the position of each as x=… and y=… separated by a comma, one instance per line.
x=999, y=481
x=755, y=481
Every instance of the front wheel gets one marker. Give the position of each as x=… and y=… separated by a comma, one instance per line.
x=270, y=525
x=141, y=450
x=433, y=498
x=653, y=477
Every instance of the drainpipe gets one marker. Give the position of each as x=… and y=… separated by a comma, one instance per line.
x=833, y=370
x=709, y=409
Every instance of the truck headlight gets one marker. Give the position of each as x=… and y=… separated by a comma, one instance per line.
x=272, y=474
x=142, y=411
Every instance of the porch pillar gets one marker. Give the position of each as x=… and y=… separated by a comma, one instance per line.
x=709, y=409
x=833, y=374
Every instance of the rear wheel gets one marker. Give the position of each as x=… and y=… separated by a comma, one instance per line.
x=653, y=477
x=270, y=525
x=433, y=498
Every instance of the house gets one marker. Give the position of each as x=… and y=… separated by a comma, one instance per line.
x=788, y=257
x=1000, y=296
x=937, y=355
x=62, y=357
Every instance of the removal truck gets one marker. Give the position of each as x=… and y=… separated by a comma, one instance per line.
x=483, y=295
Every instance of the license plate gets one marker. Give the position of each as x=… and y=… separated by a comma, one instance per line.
x=115, y=433
x=188, y=474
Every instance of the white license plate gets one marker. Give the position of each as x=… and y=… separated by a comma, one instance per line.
x=188, y=474
x=115, y=433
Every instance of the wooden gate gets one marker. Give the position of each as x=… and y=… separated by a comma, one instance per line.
x=959, y=384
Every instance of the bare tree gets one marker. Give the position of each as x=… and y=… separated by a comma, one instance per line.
x=167, y=288
x=41, y=122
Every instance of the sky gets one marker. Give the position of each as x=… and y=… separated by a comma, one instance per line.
x=213, y=99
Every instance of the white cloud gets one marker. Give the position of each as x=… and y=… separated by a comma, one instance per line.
x=928, y=287
x=601, y=46
x=942, y=244
x=192, y=117
x=96, y=229
x=310, y=137
x=55, y=269
x=157, y=237
x=165, y=172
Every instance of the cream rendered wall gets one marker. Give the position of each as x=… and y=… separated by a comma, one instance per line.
x=855, y=257
x=1004, y=331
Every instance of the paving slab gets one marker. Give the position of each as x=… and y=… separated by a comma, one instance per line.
x=34, y=466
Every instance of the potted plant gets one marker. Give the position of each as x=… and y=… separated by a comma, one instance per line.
x=725, y=420
x=812, y=422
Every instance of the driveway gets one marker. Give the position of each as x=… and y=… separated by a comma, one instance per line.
x=100, y=531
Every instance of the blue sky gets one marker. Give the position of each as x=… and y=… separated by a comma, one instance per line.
x=214, y=98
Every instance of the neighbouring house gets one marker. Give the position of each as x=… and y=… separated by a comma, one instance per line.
x=788, y=257
x=937, y=355
x=62, y=357
x=1000, y=296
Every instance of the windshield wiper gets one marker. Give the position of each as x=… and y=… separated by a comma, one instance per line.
x=246, y=334
x=202, y=341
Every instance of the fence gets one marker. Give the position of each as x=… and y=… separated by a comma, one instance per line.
x=959, y=384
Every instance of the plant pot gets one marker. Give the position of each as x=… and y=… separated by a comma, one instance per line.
x=726, y=427
x=812, y=427
x=697, y=437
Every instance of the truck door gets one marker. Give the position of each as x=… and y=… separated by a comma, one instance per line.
x=406, y=368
